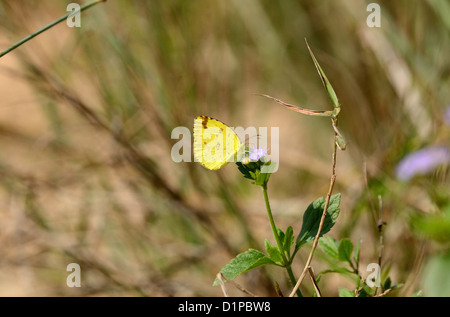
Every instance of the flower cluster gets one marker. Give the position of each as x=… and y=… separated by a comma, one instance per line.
x=255, y=166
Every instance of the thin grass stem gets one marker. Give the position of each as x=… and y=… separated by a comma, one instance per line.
x=48, y=26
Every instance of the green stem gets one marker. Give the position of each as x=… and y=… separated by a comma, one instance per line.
x=48, y=26
x=286, y=263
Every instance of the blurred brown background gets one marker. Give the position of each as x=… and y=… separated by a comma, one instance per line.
x=86, y=116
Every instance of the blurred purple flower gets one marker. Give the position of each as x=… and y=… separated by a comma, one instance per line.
x=447, y=115
x=256, y=154
x=422, y=162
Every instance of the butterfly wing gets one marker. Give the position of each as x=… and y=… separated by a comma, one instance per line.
x=215, y=144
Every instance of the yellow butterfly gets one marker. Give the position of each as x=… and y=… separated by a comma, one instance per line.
x=215, y=144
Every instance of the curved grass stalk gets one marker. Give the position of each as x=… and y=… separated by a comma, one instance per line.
x=48, y=26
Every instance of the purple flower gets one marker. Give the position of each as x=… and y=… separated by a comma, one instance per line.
x=447, y=115
x=422, y=161
x=256, y=154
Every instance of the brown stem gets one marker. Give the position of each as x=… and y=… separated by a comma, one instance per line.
x=313, y=279
x=239, y=287
x=322, y=220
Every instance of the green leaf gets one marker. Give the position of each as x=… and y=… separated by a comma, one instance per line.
x=387, y=284
x=356, y=252
x=312, y=216
x=324, y=79
x=345, y=250
x=266, y=170
x=244, y=262
x=329, y=246
x=341, y=143
x=340, y=270
x=343, y=292
x=363, y=293
x=273, y=252
x=258, y=171
x=288, y=239
x=280, y=234
x=366, y=291
x=336, y=269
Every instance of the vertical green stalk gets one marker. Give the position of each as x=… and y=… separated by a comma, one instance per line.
x=286, y=263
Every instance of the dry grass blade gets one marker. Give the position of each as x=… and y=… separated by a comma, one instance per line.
x=222, y=284
x=239, y=287
x=320, y=113
x=278, y=290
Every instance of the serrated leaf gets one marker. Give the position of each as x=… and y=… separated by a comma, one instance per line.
x=273, y=252
x=329, y=246
x=312, y=216
x=288, y=239
x=244, y=262
x=345, y=250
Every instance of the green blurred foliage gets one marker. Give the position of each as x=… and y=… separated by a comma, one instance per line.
x=435, y=278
